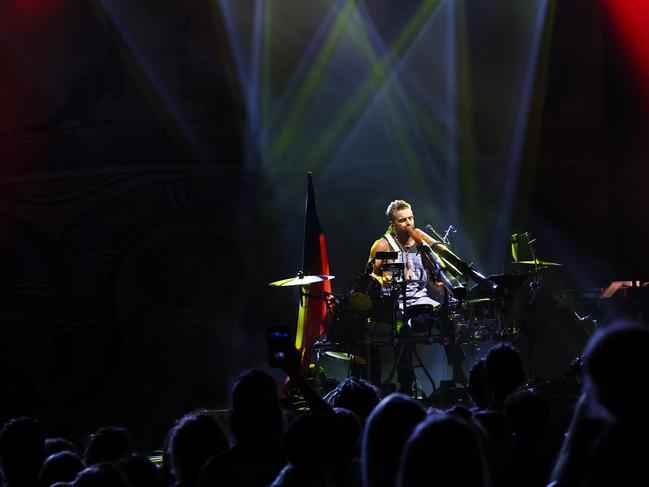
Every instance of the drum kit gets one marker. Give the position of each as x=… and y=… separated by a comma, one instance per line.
x=366, y=318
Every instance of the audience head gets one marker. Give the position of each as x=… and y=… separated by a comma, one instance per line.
x=616, y=371
x=354, y=394
x=139, y=471
x=503, y=372
x=348, y=442
x=499, y=435
x=350, y=430
x=387, y=429
x=255, y=407
x=195, y=438
x=101, y=474
x=61, y=467
x=309, y=443
x=108, y=444
x=254, y=390
x=527, y=410
x=460, y=411
x=477, y=386
x=443, y=450
x=55, y=445
x=22, y=447
x=616, y=376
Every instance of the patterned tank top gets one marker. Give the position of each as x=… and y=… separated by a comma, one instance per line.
x=416, y=286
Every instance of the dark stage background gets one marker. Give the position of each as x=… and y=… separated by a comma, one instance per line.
x=153, y=178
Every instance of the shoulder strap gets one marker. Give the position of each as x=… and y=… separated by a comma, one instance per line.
x=392, y=242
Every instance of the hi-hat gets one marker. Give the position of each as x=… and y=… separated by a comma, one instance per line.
x=301, y=280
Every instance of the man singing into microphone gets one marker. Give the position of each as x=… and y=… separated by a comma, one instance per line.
x=402, y=237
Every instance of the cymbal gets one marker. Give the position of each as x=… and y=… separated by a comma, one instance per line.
x=477, y=300
x=357, y=359
x=300, y=280
x=537, y=262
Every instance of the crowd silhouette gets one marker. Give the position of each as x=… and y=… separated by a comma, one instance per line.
x=508, y=436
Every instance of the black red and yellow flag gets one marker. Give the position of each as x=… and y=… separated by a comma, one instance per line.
x=313, y=307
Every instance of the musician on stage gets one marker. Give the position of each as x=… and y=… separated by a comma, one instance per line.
x=400, y=238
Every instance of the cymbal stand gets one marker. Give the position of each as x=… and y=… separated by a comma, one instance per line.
x=534, y=287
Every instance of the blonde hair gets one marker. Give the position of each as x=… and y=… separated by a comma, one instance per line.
x=396, y=205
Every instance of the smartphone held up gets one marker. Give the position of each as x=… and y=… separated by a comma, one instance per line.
x=279, y=345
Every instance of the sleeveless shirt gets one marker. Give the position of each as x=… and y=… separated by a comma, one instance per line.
x=416, y=287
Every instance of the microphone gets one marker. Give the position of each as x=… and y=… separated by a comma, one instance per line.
x=434, y=233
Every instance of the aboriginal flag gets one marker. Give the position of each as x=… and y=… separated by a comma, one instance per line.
x=313, y=308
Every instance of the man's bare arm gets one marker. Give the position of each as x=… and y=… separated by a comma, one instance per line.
x=381, y=245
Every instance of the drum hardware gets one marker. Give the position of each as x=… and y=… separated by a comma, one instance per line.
x=509, y=281
x=523, y=251
x=528, y=299
x=453, y=272
x=387, y=255
x=337, y=351
x=357, y=359
x=366, y=316
x=324, y=347
x=347, y=327
x=538, y=263
x=478, y=320
x=420, y=322
x=300, y=280
x=304, y=281
x=344, y=324
x=466, y=322
x=425, y=370
x=421, y=318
